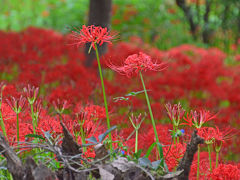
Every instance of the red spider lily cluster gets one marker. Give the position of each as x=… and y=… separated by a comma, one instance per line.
x=196, y=77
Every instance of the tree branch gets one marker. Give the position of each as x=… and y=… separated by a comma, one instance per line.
x=186, y=161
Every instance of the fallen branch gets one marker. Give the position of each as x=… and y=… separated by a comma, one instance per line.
x=29, y=171
x=14, y=164
x=69, y=154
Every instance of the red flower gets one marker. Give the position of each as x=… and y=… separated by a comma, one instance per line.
x=225, y=171
x=16, y=104
x=209, y=134
x=136, y=63
x=60, y=106
x=174, y=154
x=175, y=113
x=197, y=119
x=222, y=136
x=31, y=93
x=91, y=34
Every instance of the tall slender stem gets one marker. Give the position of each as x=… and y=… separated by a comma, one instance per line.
x=210, y=160
x=136, y=141
x=217, y=150
x=17, y=127
x=104, y=97
x=1, y=117
x=83, y=139
x=160, y=150
x=217, y=156
x=2, y=123
x=33, y=119
x=198, y=161
x=174, y=132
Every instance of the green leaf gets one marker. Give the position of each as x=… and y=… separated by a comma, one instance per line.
x=138, y=154
x=34, y=136
x=92, y=139
x=160, y=145
x=101, y=137
x=150, y=149
x=134, y=93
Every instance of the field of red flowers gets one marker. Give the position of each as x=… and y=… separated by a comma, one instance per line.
x=44, y=62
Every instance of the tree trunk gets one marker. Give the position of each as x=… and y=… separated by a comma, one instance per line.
x=238, y=30
x=190, y=17
x=207, y=31
x=99, y=15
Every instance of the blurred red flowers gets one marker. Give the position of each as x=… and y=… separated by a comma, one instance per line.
x=225, y=171
x=136, y=63
x=91, y=34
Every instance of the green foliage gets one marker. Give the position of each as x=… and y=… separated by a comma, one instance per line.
x=16, y=15
x=35, y=136
x=159, y=23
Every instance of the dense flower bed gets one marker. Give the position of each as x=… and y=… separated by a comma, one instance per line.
x=198, y=78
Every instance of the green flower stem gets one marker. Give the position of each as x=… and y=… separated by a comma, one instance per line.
x=198, y=161
x=160, y=150
x=2, y=123
x=176, y=130
x=174, y=138
x=104, y=97
x=17, y=127
x=217, y=156
x=210, y=160
x=83, y=139
x=33, y=119
x=136, y=141
x=217, y=150
x=1, y=118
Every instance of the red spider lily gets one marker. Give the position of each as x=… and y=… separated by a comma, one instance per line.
x=209, y=134
x=215, y=135
x=37, y=107
x=197, y=119
x=91, y=34
x=222, y=136
x=90, y=111
x=60, y=106
x=87, y=125
x=95, y=112
x=17, y=105
x=136, y=120
x=175, y=112
x=136, y=63
x=31, y=93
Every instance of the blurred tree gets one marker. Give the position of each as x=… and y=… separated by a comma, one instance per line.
x=206, y=16
x=189, y=15
x=193, y=15
x=99, y=15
